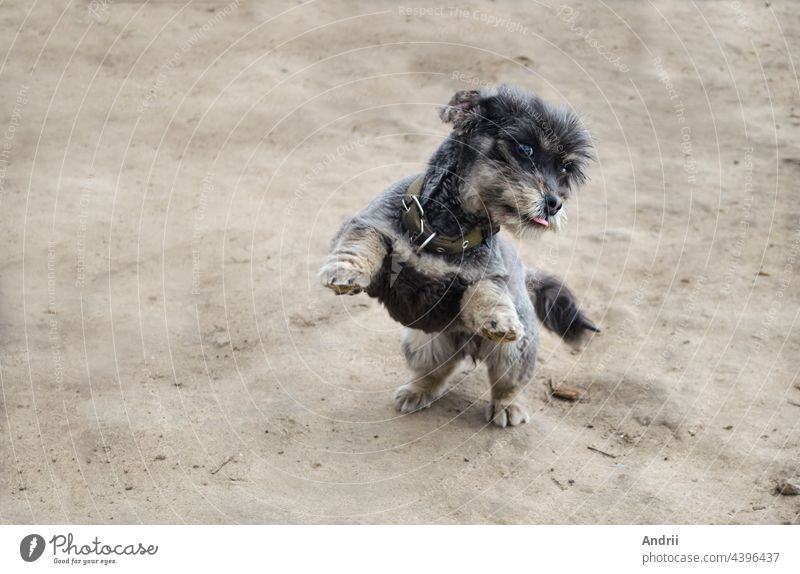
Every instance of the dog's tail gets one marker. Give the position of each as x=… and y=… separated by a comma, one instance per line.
x=556, y=306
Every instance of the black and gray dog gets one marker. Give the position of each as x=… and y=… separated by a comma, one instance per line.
x=428, y=249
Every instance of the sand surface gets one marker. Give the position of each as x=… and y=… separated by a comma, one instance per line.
x=171, y=174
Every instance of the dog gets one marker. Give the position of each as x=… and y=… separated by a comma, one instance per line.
x=428, y=247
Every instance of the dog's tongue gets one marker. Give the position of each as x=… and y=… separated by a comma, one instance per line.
x=541, y=221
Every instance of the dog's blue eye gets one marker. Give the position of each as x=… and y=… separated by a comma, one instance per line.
x=525, y=150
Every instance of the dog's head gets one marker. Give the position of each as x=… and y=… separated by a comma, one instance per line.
x=526, y=156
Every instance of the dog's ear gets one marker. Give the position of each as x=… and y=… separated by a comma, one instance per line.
x=462, y=109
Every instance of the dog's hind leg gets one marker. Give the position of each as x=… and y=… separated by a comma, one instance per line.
x=511, y=369
x=488, y=310
x=356, y=257
x=431, y=358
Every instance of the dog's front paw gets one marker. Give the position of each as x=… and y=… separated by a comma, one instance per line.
x=408, y=398
x=503, y=328
x=504, y=412
x=342, y=278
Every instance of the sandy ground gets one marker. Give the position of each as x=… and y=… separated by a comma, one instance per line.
x=172, y=173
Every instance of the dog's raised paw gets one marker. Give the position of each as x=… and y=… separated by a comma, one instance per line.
x=504, y=413
x=409, y=399
x=503, y=329
x=343, y=279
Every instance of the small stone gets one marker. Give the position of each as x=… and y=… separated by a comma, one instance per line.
x=788, y=487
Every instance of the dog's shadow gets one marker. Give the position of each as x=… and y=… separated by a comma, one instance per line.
x=464, y=402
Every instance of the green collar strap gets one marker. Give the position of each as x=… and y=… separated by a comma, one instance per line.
x=425, y=237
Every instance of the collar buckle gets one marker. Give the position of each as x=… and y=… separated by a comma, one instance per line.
x=416, y=202
x=414, y=221
x=424, y=243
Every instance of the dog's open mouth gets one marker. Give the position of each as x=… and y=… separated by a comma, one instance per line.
x=541, y=221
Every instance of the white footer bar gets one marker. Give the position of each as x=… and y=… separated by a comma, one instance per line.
x=389, y=549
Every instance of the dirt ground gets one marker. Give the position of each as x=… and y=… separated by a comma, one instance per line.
x=170, y=177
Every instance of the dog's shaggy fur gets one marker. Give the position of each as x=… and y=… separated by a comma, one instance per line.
x=511, y=160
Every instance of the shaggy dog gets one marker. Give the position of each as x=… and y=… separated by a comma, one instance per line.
x=428, y=249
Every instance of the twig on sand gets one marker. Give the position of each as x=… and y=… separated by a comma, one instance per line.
x=564, y=393
x=223, y=463
x=604, y=453
x=791, y=402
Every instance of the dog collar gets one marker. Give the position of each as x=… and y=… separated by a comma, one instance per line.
x=425, y=237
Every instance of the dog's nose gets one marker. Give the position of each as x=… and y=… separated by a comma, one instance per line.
x=553, y=203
